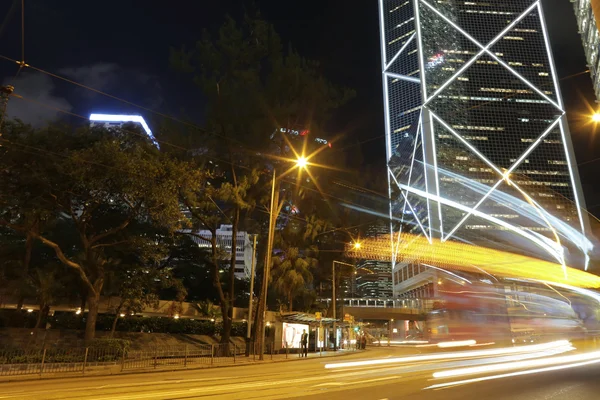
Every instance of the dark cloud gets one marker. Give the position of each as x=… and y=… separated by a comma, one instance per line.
x=37, y=102
x=126, y=83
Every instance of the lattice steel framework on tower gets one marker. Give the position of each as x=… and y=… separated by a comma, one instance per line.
x=478, y=145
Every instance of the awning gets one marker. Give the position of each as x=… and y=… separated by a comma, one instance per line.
x=303, y=318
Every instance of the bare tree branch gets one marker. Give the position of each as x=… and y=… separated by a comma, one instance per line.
x=116, y=229
x=63, y=258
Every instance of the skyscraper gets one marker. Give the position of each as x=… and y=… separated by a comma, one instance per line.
x=244, y=251
x=478, y=145
x=586, y=12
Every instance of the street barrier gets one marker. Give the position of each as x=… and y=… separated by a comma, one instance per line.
x=84, y=359
x=55, y=360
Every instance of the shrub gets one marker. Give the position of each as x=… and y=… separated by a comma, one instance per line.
x=17, y=319
x=118, y=345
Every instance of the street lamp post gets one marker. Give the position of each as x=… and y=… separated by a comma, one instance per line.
x=301, y=162
x=333, y=296
x=272, y=217
x=252, y=272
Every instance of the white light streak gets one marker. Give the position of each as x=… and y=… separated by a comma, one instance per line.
x=551, y=250
x=449, y=273
x=528, y=372
x=458, y=343
x=454, y=355
x=543, y=362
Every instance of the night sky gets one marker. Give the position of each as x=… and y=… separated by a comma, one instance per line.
x=122, y=47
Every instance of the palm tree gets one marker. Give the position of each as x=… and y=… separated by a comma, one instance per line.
x=291, y=273
x=207, y=309
x=314, y=227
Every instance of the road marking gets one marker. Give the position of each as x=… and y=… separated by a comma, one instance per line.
x=234, y=386
x=357, y=382
x=379, y=379
x=329, y=384
x=8, y=395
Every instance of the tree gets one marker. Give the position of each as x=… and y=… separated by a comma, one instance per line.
x=48, y=287
x=96, y=184
x=253, y=87
x=136, y=289
x=207, y=309
x=291, y=273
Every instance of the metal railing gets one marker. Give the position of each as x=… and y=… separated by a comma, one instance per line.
x=207, y=354
x=82, y=359
x=55, y=360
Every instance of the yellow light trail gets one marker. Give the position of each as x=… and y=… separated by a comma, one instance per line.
x=469, y=258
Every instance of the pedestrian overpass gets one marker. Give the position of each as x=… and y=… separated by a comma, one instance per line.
x=383, y=308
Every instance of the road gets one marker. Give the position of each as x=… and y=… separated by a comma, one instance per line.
x=378, y=373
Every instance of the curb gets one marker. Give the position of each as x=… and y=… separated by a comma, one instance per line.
x=79, y=375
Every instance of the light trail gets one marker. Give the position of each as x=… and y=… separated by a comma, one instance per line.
x=513, y=374
x=457, y=256
x=518, y=365
x=458, y=343
x=462, y=354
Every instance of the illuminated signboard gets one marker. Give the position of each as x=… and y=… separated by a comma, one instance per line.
x=294, y=132
x=292, y=334
x=304, y=132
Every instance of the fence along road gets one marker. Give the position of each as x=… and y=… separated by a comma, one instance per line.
x=77, y=360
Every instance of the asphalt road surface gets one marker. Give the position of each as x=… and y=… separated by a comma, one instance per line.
x=381, y=373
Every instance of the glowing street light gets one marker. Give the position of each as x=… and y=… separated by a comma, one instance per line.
x=596, y=117
x=357, y=245
x=301, y=162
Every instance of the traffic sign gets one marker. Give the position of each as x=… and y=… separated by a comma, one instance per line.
x=318, y=316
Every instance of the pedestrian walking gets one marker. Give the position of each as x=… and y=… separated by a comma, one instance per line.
x=304, y=343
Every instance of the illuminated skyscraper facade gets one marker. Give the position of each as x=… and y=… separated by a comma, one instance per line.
x=478, y=145
x=586, y=12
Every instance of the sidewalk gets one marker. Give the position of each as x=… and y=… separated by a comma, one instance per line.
x=178, y=365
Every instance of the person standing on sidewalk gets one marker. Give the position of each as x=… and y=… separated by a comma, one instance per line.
x=304, y=343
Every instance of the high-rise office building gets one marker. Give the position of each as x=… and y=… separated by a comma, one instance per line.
x=587, y=12
x=111, y=121
x=244, y=249
x=373, y=278
x=478, y=145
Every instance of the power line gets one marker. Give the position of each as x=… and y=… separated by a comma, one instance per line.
x=190, y=124
x=176, y=146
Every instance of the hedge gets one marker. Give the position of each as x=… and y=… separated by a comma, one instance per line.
x=69, y=320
